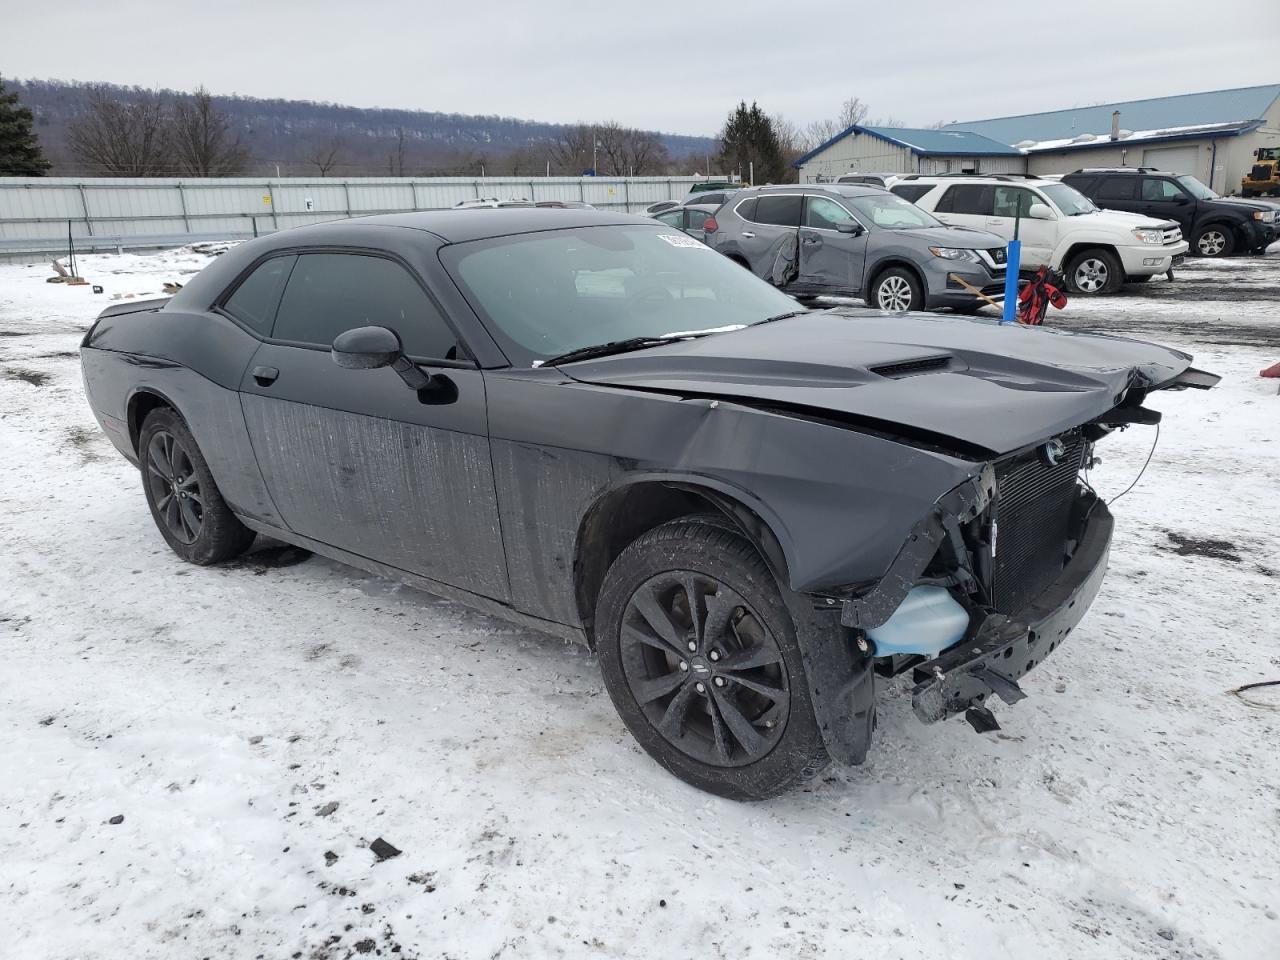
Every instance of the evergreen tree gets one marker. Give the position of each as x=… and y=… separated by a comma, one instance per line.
x=20, y=154
x=749, y=144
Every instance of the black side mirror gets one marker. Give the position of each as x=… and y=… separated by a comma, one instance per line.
x=369, y=348
x=849, y=226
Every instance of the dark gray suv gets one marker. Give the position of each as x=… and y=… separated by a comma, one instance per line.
x=855, y=240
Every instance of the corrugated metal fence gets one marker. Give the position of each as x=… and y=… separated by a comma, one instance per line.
x=113, y=213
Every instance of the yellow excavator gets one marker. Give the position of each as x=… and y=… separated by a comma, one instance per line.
x=1264, y=178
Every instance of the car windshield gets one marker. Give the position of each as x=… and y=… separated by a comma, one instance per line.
x=1069, y=200
x=890, y=212
x=1197, y=189
x=549, y=293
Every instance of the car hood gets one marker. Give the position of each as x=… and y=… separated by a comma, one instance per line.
x=973, y=385
x=964, y=237
x=1243, y=204
x=1129, y=220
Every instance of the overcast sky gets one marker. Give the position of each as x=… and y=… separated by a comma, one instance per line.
x=669, y=65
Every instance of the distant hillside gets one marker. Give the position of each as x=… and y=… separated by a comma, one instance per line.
x=289, y=134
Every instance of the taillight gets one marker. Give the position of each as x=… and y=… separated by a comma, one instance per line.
x=710, y=225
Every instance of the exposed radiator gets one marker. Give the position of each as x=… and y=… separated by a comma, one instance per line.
x=1033, y=522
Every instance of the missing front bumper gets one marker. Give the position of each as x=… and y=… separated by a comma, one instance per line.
x=1005, y=648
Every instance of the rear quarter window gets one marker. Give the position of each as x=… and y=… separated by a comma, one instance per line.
x=911, y=191
x=254, y=301
x=974, y=199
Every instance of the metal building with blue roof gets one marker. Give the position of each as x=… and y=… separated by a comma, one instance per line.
x=1211, y=135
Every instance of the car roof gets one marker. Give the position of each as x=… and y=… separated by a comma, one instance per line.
x=462, y=225
x=1017, y=179
x=839, y=189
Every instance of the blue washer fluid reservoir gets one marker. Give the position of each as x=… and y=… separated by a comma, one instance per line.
x=927, y=621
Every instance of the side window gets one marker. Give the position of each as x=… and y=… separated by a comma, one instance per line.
x=254, y=301
x=329, y=293
x=782, y=210
x=1160, y=190
x=968, y=198
x=1012, y=201
x=671, y=218
x=1115, y=188
x=911, y=191
x=709, y=198
x=823, y=213
x=747, y=209
x=696, y=219
x=1084, y=184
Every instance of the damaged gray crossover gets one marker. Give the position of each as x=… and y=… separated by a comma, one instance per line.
x=597, y=427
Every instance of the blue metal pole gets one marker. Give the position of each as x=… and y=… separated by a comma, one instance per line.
x=1011, y=281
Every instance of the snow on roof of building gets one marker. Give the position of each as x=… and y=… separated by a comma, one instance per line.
x=1103, y=138
x=1224, y=108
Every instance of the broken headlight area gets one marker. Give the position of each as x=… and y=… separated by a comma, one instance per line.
x=963, y=603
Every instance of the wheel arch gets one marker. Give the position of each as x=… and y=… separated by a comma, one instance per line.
x=143, y=400
x=1080, y=246
x=627, y=510
x=875, y=271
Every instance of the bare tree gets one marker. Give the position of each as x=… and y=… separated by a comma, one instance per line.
x=852, y=111
x=326, y=155
x=395, y=162
x=625, y=151
x=123, y=136
x=572, y=152
x=203, y=145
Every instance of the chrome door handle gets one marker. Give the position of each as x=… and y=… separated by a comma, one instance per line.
x=748, y=234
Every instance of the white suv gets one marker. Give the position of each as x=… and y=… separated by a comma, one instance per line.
x=1095, y=250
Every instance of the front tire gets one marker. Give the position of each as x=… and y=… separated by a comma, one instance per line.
x=185, y=502
x=700, y=657
x=1093, y=272
x=1214, y=240
x=897, y=291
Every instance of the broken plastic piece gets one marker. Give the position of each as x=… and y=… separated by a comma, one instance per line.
x=981, y=719
x=1002, y=685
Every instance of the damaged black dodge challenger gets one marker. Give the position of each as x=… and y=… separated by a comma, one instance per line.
x=602, y=429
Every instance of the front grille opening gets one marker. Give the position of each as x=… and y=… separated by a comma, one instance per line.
x=911, y=368
x=1034, y=511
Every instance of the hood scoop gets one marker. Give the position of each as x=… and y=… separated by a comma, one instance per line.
x=912, y=368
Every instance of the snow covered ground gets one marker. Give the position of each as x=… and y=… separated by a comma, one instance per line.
x=257, y=726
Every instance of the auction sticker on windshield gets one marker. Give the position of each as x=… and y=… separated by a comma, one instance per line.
x=676, y=240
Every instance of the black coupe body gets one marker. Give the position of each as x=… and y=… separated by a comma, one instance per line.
x=748, y=513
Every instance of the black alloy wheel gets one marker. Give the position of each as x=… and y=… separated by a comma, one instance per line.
x=184, y=499
x=702, y=659
x=704, y=668
x=175, y=488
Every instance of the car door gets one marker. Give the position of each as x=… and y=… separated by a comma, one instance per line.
x=354, y=458
x=1011, y=213
x=1165, y=199
x=1116, y=193
x=775, y=220
x=695, y=221
x=830, y=261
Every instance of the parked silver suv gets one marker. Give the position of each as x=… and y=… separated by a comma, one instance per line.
x=856, y=240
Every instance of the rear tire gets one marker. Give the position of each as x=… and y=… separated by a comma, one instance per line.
x=185, y=502
x=749, y=733
x=896, y=290
x=1093, y=272
x=1215, y=240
